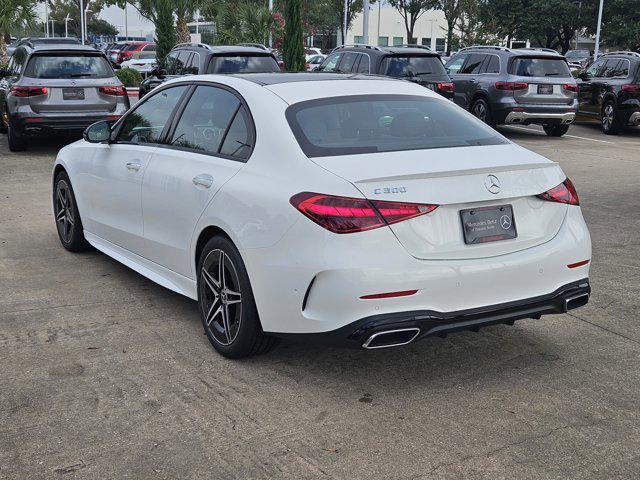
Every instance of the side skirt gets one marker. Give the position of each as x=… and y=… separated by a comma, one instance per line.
x=154, y=272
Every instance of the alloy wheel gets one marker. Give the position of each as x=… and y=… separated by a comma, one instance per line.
x=480, y=111
x=607, y=117
x=64, y=211
x=221, y=298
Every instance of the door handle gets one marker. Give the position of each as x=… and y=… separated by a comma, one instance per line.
x=203, y=180
x=472, y=80
x=133, y=166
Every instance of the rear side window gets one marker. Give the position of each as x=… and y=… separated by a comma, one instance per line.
x=383, y=123
x=540, y=67
x=473, y=65
x=363, y=65
x=411, y=66
x=243, y=64
x=68, y=66
x=213, y=123
x=493, y=64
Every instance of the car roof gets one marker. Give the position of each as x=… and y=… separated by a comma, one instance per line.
x=222, y=48
x=528, y=52
x=298, y=87
x=64, y=47
x=388, y=50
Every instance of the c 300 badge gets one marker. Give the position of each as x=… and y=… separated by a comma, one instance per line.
x=386, y=190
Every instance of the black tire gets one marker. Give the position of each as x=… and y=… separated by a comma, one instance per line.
x=4, y=118
x=66, y=215
x=609, y=118
x=226, y=304
x=481, y=110
x=555, y=129
x=16, y=142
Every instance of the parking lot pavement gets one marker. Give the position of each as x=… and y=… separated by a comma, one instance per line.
x=106, y=375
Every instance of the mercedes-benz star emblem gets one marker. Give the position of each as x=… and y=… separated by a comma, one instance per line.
x=505, y=222
x=492, y=183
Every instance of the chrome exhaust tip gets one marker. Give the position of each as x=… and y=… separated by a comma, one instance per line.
x=576, y=301
x=391, y=338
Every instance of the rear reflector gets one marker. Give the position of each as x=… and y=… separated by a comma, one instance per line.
x=404, y=293
x=563, y=193
x=630, y=88
x=19, y=91
x=115, y=90
x=578, y=264
x=445, y=87
x=350, y=215
x=570, y=87
x=511, y=85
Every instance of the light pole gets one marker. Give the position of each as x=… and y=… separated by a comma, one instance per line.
x=365, y=22
x=344, y=22
x=82, y=20
x=270, y=32
x=53, y=28
x=46, y=18
x=595, y=53
x=66, y=25
x=126, y=22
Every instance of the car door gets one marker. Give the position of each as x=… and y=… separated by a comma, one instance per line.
x=453, y=67
x=587, y=94
x=466, y=83
x=208, y=145
x=115, y=185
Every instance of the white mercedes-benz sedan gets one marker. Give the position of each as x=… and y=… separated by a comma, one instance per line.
x=343, y=208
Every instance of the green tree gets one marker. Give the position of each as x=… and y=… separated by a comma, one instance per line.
x=293, y=50
x=242, y=21
x=621, y=24
x=411, y=11
x=453, y=11
x=14, y=15
x=165, y=30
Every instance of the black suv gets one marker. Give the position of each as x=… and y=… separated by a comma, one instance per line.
x=609, y=91
x=500, y=85
x=198, y=58
x=415, y=63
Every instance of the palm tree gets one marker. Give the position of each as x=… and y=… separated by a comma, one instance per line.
x=241, y=21
x=14, y=14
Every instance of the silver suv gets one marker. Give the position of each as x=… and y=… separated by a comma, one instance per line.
x=515, y=86
x=57, y=90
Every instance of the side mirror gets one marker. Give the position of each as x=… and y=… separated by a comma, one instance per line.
x=158, y=72
x=447, y=70
x=98, y=132
x=116, y=66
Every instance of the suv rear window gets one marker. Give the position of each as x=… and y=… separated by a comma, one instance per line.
x=540, y=67
x=412, y=65
x=243, y=64
x=384, y=123
x=68, y=66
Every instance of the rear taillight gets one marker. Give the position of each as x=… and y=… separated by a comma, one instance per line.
x=563, y=193
x=445, y=87
x=349, y=215
x=117, y=90
x=570, y=87
x=511, y=85
x=631, y=88
x=27, y=91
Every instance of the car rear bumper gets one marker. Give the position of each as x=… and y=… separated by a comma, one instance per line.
x=527, y=118
x=396, y=329
x=304, y=286
x=32, y=126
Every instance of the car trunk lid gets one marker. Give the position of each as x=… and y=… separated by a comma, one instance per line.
x=545, y=78
x=457, y=179
x=77, y=95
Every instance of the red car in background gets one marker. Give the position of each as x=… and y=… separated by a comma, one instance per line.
x=131, y=47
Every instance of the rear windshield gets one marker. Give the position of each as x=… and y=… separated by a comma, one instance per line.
x=540, y=67
x=47, y=41
x=384, y=123
x=68, y=66
x=412, y=66
x=243, y=64
x=577, y=54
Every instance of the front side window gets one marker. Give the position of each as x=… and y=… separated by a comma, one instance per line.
x=455, y=64
x=540, y=67
x=331, y=63
x=595, y=69
x=172, y=63
x=243, y=64
x=384, y=123
x=210, y=124
x=68, y=66
x=146, y=123
x=412, y=66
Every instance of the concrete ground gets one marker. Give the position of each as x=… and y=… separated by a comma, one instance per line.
x=105, y=375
